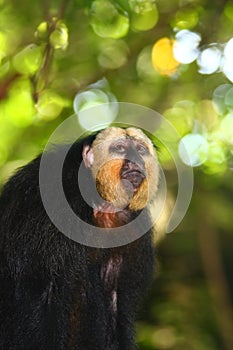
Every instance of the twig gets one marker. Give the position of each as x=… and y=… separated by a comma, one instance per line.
x=43, y=73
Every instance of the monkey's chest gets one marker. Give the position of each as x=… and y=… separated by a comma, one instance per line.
x=109, y=274
x=112, y=219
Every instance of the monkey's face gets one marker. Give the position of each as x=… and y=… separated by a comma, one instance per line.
x=125, y=166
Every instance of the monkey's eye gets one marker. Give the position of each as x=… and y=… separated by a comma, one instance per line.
x=142, y=149
x=119, y=148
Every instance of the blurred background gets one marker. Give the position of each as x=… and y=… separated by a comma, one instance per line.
x=58, y=58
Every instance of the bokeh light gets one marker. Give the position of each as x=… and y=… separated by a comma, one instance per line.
x=49, y=105
x=108, y=21
x=216, y=162
x=229, y=99
x=163, y=58
x=113, y=54
x=193, y=149
x=219, y=98
x=144, y=14
x=98, y=95
x=186, y=46
x=28, y=60
x=226, y=128
x=209, y=59
x=216, y=154
x=186, y=18
x=227, y=60
x=19, y=106
x=144, y=66
x=9, y=31
x=206, y=114
x=178, y=117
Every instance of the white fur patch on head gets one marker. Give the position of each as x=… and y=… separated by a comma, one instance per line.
x=138, y=134
x=111, y=133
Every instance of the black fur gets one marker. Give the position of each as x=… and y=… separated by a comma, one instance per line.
x=56, y=294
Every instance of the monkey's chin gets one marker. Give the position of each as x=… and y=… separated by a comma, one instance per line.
x=131, y=195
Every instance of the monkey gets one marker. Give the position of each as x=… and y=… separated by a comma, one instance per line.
x=57, y=293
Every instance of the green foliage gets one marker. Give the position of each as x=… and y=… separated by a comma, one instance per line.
x=28, y=61
x=52, y=53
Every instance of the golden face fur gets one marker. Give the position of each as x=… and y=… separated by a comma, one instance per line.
x=106, y=169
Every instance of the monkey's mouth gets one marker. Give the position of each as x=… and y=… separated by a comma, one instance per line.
x=135, y=177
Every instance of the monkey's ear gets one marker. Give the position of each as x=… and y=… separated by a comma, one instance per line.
x=88, y=156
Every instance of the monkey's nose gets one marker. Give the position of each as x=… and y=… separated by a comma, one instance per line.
x=130, y=165
x=133, y=157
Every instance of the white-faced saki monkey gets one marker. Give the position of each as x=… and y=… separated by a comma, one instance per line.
x=56, y=293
